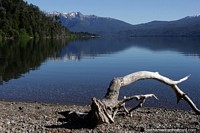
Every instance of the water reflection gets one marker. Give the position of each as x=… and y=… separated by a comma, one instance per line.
x=92, y=48
x=99, y=60
x=1, y=80
x=184, y=45
x=17, y=58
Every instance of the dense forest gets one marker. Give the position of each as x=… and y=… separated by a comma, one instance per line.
x=20, y=19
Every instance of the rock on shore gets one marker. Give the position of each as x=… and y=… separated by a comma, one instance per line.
x=41, y=117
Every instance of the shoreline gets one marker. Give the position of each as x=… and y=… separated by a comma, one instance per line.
x=45, y=117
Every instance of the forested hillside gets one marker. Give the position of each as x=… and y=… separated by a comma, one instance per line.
x=20, y=19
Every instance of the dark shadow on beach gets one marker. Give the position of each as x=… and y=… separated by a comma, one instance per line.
x=72, y=121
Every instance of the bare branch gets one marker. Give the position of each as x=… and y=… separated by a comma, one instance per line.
x=137, y=97
x=126, y=80
x=140, y=98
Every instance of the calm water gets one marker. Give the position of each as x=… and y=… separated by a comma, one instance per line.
x=73, y=73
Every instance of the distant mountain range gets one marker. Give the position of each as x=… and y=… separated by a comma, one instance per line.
x=104, y=26
x=188, y=26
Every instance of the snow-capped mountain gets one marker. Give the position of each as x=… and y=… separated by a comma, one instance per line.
x=78, y=22
x=104, y=26
x=194, y=16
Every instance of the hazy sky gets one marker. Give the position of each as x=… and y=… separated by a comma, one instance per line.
x=131, y=11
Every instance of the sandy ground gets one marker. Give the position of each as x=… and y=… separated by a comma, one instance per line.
x=18, y=117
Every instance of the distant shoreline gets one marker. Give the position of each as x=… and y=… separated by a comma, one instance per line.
x=30, y=117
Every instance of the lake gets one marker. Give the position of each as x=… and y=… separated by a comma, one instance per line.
x=57, y=71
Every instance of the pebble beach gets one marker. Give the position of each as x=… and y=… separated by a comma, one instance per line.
x=21, y=117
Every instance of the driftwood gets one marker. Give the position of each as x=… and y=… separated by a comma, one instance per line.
x=105, y=110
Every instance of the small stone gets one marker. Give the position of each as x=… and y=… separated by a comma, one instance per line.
x=142, y=129
x=178, y=125
x=195, y=123
x=20, y=108
x=148, y=112
x=38, y=107
x=151, y=125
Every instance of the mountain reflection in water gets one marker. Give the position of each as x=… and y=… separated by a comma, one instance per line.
x=92, y=48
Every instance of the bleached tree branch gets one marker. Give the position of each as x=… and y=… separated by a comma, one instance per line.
x=105, y=110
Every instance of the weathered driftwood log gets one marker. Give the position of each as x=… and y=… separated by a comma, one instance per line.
x=104, y=111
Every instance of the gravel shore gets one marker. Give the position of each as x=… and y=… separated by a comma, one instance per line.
x=19, y=117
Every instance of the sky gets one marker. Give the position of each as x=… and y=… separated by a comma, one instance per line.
x=131, y=11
